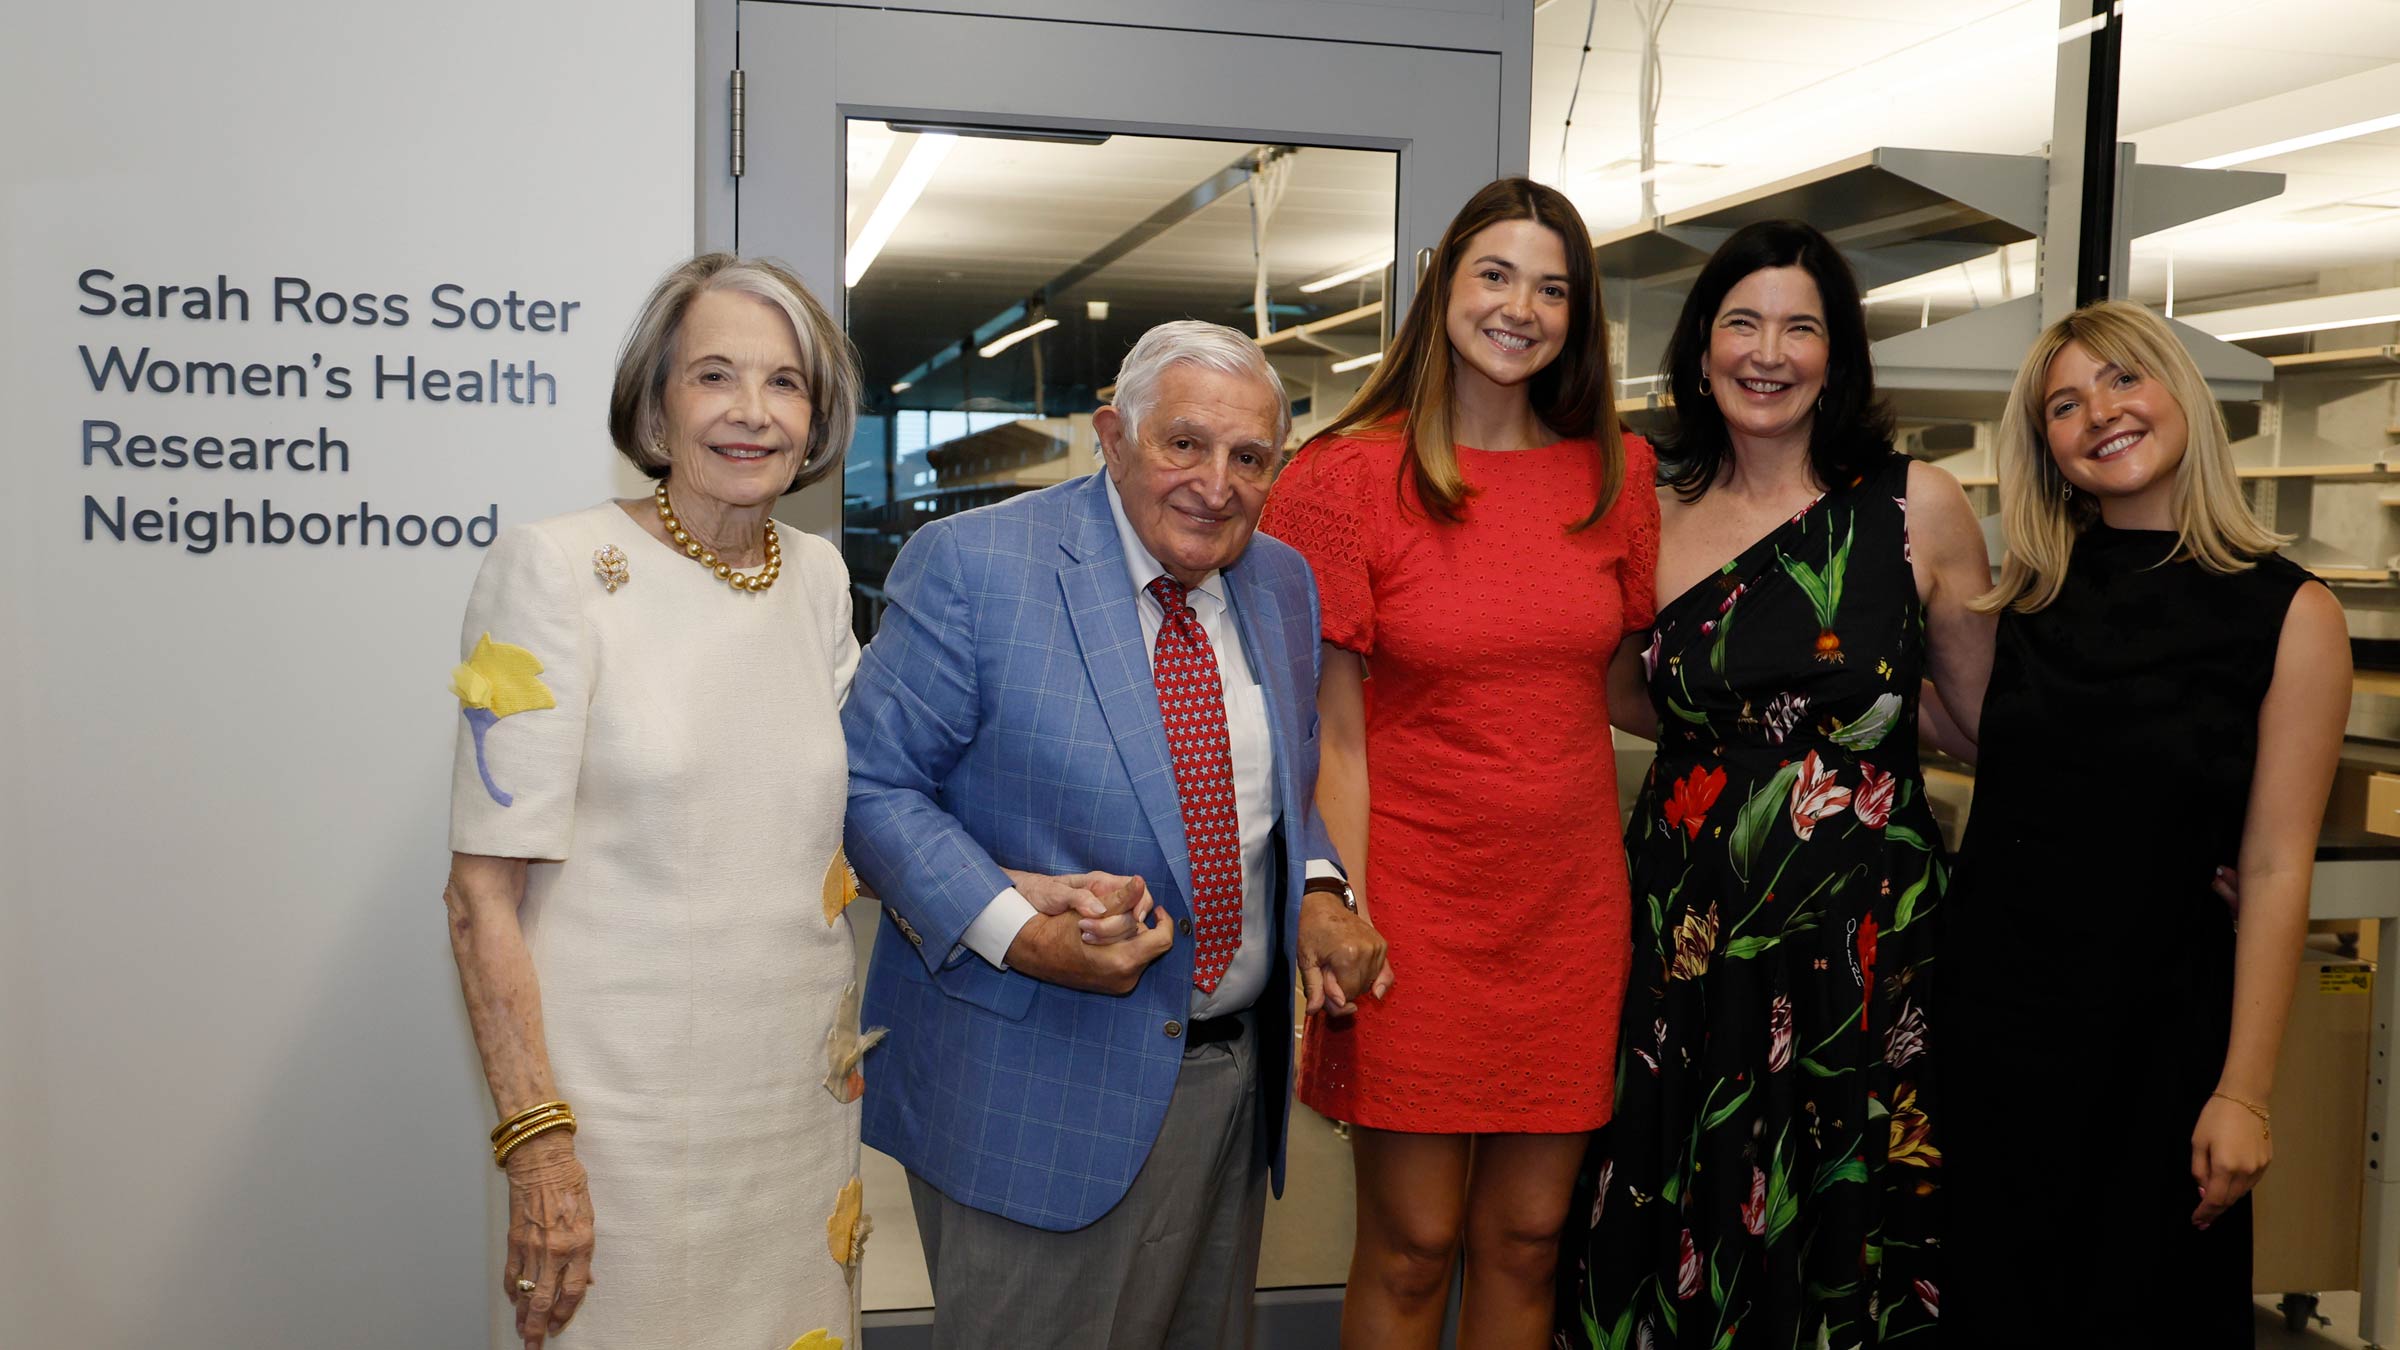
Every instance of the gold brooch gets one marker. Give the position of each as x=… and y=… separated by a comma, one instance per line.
x=609, y=562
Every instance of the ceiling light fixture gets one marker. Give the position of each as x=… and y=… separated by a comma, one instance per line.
x=2356, y=309
x=1345, y=367
x=2291, y=143
x=915, y=172
x=1007, y=340
x=903, y=386
x=2289, y=329
x=1325, y=283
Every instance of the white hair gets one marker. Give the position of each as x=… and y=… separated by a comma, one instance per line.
x=1193, y=342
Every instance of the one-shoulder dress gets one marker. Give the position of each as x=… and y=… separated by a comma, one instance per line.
x=1771, y=1176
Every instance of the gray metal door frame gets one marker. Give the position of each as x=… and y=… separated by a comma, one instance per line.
x=1349, y=75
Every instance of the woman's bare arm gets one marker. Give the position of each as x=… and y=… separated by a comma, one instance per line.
x=2299, y=743
x=1952, y=568
x=550, y=1229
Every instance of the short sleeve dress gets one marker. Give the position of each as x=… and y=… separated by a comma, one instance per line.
x=1495, y=869
x=670, y=754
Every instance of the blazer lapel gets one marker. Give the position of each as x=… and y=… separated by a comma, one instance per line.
x=1258, y=617
x=1108, y=628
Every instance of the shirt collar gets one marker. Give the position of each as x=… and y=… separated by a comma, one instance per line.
x=1139, y=565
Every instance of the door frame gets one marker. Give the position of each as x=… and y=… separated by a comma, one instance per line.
x=1234, y=84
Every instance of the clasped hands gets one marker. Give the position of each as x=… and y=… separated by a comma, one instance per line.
x=1097, y=931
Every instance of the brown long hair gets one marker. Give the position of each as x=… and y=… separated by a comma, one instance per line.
x=1412, y=387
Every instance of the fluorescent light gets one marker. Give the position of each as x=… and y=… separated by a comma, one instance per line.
x=1344, y=367
x=1007, y=340
x=2312, y=315
x=915, y=172
x=2091, y=25
x=1325, y=283
x=903, y=386
x=2291, y=143
x=2289, y=329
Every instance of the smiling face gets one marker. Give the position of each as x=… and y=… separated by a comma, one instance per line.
x=1509, y=305
x=737, y=405
x=2114, y=433
x=1767, y=355
x=1194, y=475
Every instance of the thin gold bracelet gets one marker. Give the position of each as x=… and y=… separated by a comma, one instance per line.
x=525, y=1115
x=2266, y=1127
x=501, y=1151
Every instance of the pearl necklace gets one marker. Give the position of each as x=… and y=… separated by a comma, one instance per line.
x=706, y=557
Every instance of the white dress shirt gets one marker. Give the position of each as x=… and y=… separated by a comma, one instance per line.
x=1253, y=786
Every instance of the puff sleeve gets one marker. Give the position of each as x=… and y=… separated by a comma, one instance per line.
x=1637, y=510
x=523, y=685
x=1321, y=506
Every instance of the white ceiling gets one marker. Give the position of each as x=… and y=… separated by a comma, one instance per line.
x=1757, y=90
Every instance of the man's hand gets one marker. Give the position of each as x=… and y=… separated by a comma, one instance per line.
x=1339, y=952
x=1052, y=948
x=1110, y=907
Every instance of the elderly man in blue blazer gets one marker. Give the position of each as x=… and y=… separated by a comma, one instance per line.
x=1083, y=760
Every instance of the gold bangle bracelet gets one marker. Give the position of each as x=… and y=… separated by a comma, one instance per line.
x=500, y=1152
x=524, y=1123
x=525, y=1115
x=524, y=1129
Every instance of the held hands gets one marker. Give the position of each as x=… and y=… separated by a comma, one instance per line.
x=1111, y=908
x=549, y=1237
x=2230, y=1151
x=1339, y=953
x=1095, y=931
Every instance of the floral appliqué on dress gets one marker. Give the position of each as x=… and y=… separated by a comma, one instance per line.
x=498, y=680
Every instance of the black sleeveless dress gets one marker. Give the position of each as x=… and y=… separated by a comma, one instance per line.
x=1772, y=1169
x=2088, y=966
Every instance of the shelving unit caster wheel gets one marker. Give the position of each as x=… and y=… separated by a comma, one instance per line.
x=2299, y=1311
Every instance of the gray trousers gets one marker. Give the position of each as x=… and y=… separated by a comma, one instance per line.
x=1173, y=1267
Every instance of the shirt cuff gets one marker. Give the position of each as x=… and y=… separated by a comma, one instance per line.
x=1323, y=867
x=994, y=929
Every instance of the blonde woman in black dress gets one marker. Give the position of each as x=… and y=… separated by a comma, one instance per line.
x=2164, y=682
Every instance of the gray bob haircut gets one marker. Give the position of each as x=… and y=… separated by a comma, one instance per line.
x=1193, y=342
x=637, y=412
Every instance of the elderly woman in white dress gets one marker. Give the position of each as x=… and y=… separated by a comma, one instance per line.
x=645, y=892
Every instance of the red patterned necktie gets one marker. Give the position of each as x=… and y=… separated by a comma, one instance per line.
x=1192, y=701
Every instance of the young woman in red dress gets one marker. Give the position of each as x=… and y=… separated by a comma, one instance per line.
x=1484, y=540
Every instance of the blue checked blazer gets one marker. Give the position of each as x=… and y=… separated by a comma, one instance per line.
x=1005, y=715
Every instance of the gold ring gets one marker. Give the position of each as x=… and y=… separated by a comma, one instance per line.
x=526, y=1286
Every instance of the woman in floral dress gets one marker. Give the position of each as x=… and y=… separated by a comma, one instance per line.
x=1772, y=1173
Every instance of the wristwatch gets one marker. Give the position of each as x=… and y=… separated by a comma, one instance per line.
x=1335, y=887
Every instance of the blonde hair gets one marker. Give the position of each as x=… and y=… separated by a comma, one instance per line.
x=637, y=406
x=2041, y=521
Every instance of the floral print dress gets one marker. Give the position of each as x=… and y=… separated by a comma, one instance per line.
x=1771, y=1174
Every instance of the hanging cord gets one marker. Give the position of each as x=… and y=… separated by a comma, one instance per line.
x=1589, y=16
x=1654, y=71
x=1268, y=176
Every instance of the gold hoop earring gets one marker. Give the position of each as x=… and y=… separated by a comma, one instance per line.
x=1704, y=382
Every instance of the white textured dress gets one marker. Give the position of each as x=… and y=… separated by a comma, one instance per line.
x=684, y=792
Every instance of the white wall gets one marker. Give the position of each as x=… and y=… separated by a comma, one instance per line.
x=238, y=1107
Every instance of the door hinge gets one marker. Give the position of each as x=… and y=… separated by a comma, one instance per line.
x=738, y=146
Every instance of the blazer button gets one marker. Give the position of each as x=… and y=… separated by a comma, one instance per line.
x=1184, y=926
x=1174, y=1029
